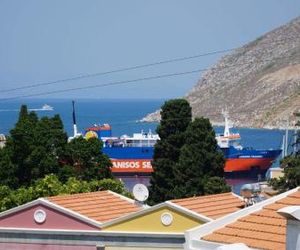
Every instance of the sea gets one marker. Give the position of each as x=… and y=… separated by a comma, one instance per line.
x=124, y=116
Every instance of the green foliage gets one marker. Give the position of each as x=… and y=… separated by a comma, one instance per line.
x=186, y=160
x=291, y=178
x=33, y=148
x=51, y=186
x=175, y=117
x=200, y=165
x=48, y=186
x=114, y=185
x=38, y=147
x=38, y=162
x=7, y=169
x=87, y=158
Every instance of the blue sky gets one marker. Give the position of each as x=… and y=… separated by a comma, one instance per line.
x=54, y=39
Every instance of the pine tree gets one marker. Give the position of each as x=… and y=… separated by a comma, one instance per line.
x=21, y=144
x=200, y=167
x=38, y=147
x=175, y=117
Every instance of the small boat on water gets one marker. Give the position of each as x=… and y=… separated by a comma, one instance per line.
x=133, y=154
x=47, y=107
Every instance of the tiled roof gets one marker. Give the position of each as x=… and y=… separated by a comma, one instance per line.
x=101, y=206
x=264, y=229
x=212, y=206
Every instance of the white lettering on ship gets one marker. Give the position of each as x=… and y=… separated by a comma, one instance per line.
x=131, y=164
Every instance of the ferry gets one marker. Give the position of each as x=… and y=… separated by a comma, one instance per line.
x=133, y=154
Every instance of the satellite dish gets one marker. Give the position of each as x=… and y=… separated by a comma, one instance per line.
x=140, y=192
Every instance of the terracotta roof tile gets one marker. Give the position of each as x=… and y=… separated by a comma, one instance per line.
x=212, y=206
x=264, y=229
x=101, y=206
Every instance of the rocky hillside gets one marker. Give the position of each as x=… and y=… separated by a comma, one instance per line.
x=259, y=83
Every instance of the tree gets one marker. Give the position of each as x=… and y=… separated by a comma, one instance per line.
x=291, y=171
x=38, y=147
x=186, y=160
x=20, y=143
x=200, y=169
x=175, y=117
x=8, y=169
x=87, y=159
x=35, y=146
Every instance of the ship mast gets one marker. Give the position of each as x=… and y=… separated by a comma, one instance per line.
x=75, y=131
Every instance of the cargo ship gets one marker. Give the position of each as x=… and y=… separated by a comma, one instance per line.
x=243, y=160
x=133, y=154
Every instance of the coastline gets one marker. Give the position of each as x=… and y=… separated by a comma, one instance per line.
x=154, y=118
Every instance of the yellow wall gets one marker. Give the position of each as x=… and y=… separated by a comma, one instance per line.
x=151, y=222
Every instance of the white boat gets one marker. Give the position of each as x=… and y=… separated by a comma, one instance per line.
x=47, y=107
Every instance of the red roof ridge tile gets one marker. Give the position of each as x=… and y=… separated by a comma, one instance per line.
x=203, y=197
x=67, y=196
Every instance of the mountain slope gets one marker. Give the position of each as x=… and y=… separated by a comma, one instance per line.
x=258, y=83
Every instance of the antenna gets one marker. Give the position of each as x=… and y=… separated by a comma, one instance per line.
x=140, y=192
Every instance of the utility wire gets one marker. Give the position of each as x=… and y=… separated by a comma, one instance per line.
x=279, y=41
x=123, y=82
x=117, y=70
x=101, y=85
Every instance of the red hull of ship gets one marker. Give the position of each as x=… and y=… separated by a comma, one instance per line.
x=143, y=166
x=236, y=165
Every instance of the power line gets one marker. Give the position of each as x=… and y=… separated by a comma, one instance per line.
x=104, y=85
x=117, y=70
x=133, y=80
x=279, y=41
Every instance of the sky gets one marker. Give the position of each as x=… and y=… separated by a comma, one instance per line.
x=49, y=40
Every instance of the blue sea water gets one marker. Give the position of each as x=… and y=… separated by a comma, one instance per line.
x=124, y=116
